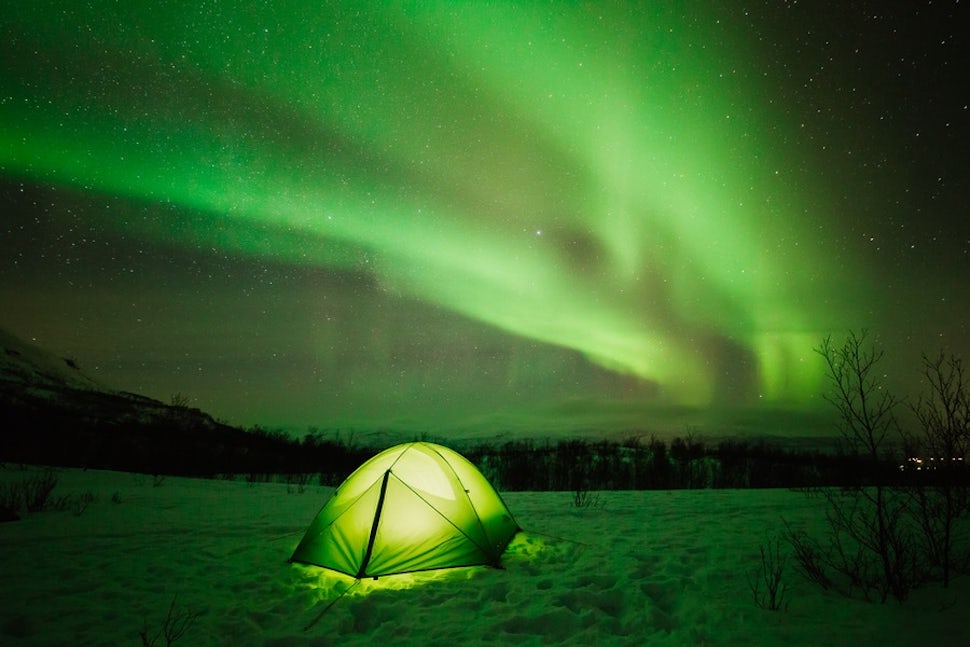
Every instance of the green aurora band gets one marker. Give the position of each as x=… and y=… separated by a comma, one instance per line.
x=601, y=180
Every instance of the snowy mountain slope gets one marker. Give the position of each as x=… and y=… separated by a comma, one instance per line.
x=34, y=379
x=24, y=363
x=51, y=412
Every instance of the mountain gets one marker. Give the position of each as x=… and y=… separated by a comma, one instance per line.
x=47, y=387
x=33, y=367
x=52, y=413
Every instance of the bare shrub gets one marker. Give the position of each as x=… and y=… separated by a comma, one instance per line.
x=766, y=583
x=808, y=556
x=583, y=497
x=81, y=502
x=179, y=401
x=30, y=494
x=177, y=622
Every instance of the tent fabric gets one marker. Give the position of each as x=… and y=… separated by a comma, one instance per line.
x=413, y=507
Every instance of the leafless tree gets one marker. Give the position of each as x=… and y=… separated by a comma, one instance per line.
x=871, y=540
x=938, y=453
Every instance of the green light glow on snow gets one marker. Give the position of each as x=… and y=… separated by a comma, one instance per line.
x=600, y=180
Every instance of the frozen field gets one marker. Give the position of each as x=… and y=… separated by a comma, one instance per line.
x=651, y=567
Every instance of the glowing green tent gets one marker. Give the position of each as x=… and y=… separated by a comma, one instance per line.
x=413, y=507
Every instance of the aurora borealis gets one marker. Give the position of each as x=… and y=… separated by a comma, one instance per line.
x=505, y=216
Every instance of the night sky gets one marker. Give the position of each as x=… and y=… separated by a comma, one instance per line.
x=461, y=217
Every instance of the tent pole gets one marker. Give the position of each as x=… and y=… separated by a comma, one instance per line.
x=373, y=529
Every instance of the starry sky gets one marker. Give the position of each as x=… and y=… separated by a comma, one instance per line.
x=469, y=217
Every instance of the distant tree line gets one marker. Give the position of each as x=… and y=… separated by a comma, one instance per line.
x=178, y=440
x=133, y=433
x=683, y=463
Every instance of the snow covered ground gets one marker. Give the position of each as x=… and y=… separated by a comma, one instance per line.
x=653, y=567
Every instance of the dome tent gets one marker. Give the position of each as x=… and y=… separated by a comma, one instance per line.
x=413, y=507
